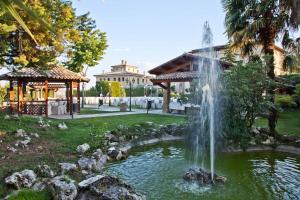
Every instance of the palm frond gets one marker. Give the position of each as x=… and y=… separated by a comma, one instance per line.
x=7, y=5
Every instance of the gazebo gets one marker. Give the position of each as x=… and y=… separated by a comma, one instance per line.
x=26, y=80
x=180, y=69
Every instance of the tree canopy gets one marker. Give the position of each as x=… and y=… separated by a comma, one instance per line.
x=65, y=43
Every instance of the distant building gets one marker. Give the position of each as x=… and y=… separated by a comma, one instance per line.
x=123, y=72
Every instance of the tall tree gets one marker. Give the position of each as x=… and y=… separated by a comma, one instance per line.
x=21, y=50
x=87, y=52
x=260, y=22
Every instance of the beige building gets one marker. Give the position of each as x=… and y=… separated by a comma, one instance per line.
x=218, y=52
x=123, y=73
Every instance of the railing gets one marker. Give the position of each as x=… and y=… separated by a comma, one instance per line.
x=33, y=107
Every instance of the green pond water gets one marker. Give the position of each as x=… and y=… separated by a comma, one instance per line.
x=156, y=172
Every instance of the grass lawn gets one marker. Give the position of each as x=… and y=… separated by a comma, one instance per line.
x=288, y=122
x=85, y=111
x=56, y=145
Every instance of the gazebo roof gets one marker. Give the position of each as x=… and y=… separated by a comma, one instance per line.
x=178, y=63
x=56, y=73
x=176, y=77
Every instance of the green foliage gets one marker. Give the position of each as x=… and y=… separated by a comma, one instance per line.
x=244, y=100
x=292, y=79
x=3, y=94
x=90, y=49
x=102, y=87
x=30, y=195
x=74, y=38
x=116, y=89
x=296, y=96
x=285, y=101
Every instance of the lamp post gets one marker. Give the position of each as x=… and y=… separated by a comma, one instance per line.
x=109, y=91
x=130, y=87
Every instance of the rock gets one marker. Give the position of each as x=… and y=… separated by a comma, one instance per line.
x=45, y=171
x=83, y=148
x=6, y=117
x=34, y=135
x=86, y=163
x=21, y=133
x=113, y=144
x=269, y=141
x=111, y=137
x=202, y=177
x=23, y=143
x=106, y=187
x=114, y=153
x=97, y=154
x=63, y=188
x=150, y=123
x=89, y=181
x=41, y=184
x=25, y=178
x=11, y=149
x=100, y=163
x=66, y=167
x=62, y=126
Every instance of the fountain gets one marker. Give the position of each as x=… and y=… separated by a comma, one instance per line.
x=203, y=122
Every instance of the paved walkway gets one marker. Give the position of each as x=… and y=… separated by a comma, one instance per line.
x=111, y=111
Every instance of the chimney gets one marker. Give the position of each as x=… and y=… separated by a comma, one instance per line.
x=122, y=62
x=102, y=71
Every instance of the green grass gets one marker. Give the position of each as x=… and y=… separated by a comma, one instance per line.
x=288, y=122
x=60, y=145
x=85, y=111
x=30, y=195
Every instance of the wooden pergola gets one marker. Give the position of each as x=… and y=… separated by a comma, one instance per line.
x=180, y=69
x=21, y=79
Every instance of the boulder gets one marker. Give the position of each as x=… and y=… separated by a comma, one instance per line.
x=106, y=187
x=34, y=135
x=114, y=153
x=97, y=154
x=86, y=163
x=62, y=126
x=202, y=177
x=83, y=148
x=21, y=133
x=63, y=188
x=100, y=163
x=11, y=149
x=66, y=167
x=25, y=178
x=111, y=137
x=45, y=171
x=41, y=184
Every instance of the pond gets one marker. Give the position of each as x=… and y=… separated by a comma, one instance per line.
x=156, y=172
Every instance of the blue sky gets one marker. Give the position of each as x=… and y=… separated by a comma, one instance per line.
x=147, y=33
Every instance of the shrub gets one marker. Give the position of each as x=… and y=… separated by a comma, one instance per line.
x=285, y=101
x=296, y=95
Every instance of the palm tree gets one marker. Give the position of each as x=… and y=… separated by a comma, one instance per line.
x=260, y=22
x=8, y=6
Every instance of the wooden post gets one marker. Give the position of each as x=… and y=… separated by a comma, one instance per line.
x=19, y=97
x=11, y=95
x=67, y=96
x=71, y=98
x=78, y=96
x=46, y=98
x=167, y=97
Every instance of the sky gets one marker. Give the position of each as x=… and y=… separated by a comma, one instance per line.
x=148, y=33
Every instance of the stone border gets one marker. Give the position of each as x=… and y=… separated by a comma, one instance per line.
x=168, y=138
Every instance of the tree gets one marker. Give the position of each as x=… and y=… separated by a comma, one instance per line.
x=250, y=23
x=116, y=90
x=102, y=87
x=244, y=99
x=87, y=52
x=8, y=6
x=20, y=50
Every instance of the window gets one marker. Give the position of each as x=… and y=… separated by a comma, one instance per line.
x=195, y=67
x=108, y=79
x=142, y=80
x=115, y=79
x=138, y=81
x=123, y=79
x=119, y=79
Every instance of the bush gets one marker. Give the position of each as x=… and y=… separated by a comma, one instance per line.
x=296, y=95
x=285, y=101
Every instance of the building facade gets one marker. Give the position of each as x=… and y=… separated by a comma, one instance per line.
x=124, y=73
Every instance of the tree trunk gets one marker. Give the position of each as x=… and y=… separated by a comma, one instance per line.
x=82, y=95
x=273, y=113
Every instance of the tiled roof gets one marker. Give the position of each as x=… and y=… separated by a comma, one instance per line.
x=55, y=73
x=176, y=76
